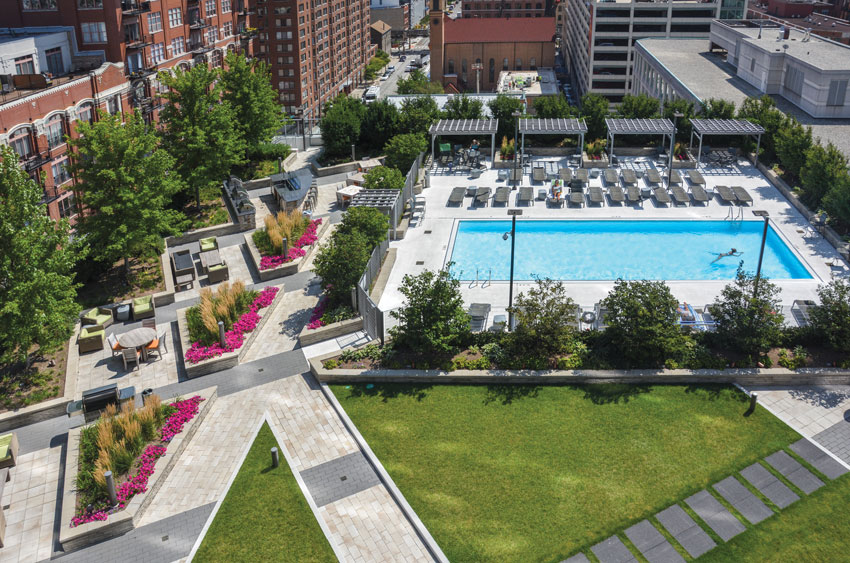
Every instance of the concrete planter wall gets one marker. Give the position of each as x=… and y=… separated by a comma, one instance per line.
x=336, y=169
x=501, y=163
x=257, y=184
x=551, y=151
x=228, y=360
x=334, y=330
x=284, y=269
x=690, y=163
x=586, y=161
x=127, y=519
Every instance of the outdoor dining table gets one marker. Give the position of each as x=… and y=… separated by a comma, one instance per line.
x=137, y=338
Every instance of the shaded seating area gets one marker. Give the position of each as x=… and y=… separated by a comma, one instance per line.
x=551, y=126
x=468, y=127
x=663, y=127
x=700, y=128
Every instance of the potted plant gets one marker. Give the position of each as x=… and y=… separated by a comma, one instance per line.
x=508, y=149
x=594, y=154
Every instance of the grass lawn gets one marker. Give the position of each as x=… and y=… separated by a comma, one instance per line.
x=264, y=516
x=524, y=473
x=812, y=529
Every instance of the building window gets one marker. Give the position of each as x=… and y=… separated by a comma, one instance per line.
x=492, y=70
x=212, y=35
x=225, y=6
x=175, y=17
x=209, y=7
x=94, y=32
x=178, y=46
x=227, y=29
x=24, y=65
x=216, y=58
x=39, y=4
x=67, y=206
x=21, y=142
x=60, y=172
x=837, y=92
x=154, y=22
x=451, y=67
x=505, y=64
x=86, y=113
x=519, y=63
x=90, y=4
x=55, y=66
x=55, y=132
x=113, y=105
x=158, y=53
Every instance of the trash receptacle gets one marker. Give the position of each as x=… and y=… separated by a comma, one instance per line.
x=145, y=394
x=122, y=312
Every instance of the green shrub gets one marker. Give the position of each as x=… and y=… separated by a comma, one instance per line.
x=494, y=352
x=383, y=178
x=338, y=314
x=269, y=151
x=832, y=317
x=331, y=364
x=545, y=320
x=793, y=360
x=373, y=351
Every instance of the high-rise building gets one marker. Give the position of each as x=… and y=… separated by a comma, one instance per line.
x=597, y=37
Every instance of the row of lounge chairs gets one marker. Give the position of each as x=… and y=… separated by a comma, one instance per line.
x=481, y=196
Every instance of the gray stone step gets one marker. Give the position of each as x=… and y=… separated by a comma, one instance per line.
x=683, y=528
x=745, y=502
x=715, y=515
x=791, y=469
x=771, y=487
x=613, y=550
x=819, y=459
x=577, y=558
x=652, y=544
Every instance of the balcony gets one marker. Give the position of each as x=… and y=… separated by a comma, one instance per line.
x=135, y=7
x=244, y=10
x=198, y=47
x=36, y=161
x=198, y=23
x=135, y=42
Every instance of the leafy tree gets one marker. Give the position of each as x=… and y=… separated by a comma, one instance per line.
x=638, y=106
x=199, y=130
x=383, y=178
x=763, y=111
x=127, y=181
x=718, y=109
x=684, y=107
x=552, y=107
x=418, y=114
x=341, y=124
x=37, y=289
x=792, y=142
x=502, y=107
x=340, y=263
x=545, y=320
x=594, y=110
x=463, y=107
x=380, y=123
x=641, y=317
x=432, y=321
x=823, y=168
x=837, y=203
x=745, y=323
x=247, y=87
x=367, y=221
x=832, y=317
x=417, y=83
x=402, y=150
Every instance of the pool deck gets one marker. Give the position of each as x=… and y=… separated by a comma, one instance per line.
x=428, y=239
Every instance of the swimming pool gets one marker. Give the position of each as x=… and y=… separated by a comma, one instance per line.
x=607, y=250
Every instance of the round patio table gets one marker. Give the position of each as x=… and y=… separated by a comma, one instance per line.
x=136, y=338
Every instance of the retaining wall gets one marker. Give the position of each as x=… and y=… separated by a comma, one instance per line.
x=333, y=330
x=284, y=269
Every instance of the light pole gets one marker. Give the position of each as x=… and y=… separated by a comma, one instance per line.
x=766, y=216
x=676, y=116
x=516, y=116
x=513, y=213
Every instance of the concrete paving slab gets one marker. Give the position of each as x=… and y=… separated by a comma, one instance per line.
x=336, y=479
x=819, y=459
x=652, y=544
x=771, y=487
x=715, y=515
x=745, y=502
x=791, y=469
x=612, y=550
x=577, y=558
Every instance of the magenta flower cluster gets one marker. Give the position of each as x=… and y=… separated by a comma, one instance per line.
x=309, y=237
x=235, y=337
x=138, y=483
x=316, y=318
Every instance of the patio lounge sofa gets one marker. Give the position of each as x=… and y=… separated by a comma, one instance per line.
x=725, y=194
x=661, y=195
x=8, y=450
x=143, y=307
x=538, y=174
x=680, y=195
x=457, y=195
x=501, y=195
x=633, y=194
x=218, y=273
x=482, y=195
x=209, y=243
x=610, y=176
x=525, y=195
x=565, y=174
x=97, y=317
x=596, y=195
x=742, y=195
x=616, y=194
x=91, y=339
x=699, y=194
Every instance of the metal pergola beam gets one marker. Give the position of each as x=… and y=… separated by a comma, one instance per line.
x=663, y=127
x=724, y=127
x=466, y=127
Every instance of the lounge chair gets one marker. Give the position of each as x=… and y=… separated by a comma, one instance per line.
x=725, y=194
x=482, y=195
x=661, y=195
x=695, y=177
x=675, y=178
x=596, y=195
x=8, y=450
x=457, y=195
x=91, y=339
x=580, y=177
x=653, y=177
x=143, y=307
x=633, y=194
x=218, y=273
x=742, y=195
x=209, y=243
x=516, y=175
x=577, y=197
x=158, y=344
x=538, y=174
x=500, y=322
x=601, y=313
x=610, y=176
x=502, y=194
x=565, y=174
x=629, y=177
x=478, y=313
x=800, y=310
x=680, y=195
x=525, y=195
x=699, y=194
x=97, y=317
x=616, y=194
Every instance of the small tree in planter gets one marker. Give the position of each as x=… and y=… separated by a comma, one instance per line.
x=545, y=321
x=832, y=318
x=595, y=149
x=508, y=149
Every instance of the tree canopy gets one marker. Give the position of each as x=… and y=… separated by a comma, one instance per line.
x=463, y=107
x=417, y=83
x=594, y=110
x=341, y=124
x=418, y=114
x=638, y=106
x=503, y=108
x=383, y=178
x=380, y=123
x=402, y=150
x=551, y=107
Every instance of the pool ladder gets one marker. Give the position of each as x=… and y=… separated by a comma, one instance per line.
x=478, y=279
x=732, y=216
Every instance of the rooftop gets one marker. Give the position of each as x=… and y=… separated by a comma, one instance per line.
x=442, y=99
x=815, y=51
x=381, y=26
x=815, y=22
x=529, y=82
x=499, y=30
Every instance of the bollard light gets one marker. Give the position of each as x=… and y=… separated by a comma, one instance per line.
x=110, y=488
x=275, y=457
x=221, y=333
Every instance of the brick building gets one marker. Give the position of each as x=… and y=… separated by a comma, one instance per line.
x=507, y=9
x=811, y=16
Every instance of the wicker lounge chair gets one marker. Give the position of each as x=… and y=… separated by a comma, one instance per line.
x=577, y=197
x=661, y=195
x=610, y=177
x=742, y=195
x=538, y=174
x=696, y=178
x=596, y=195
x=8, y=450
x=653, y=177
x=525, y=195
x=143, y=307
x=565, y=174
x=218, y=273
x=502, y=194
x=699, y=194
x=457, y=195
x=675, y=178
x=725, y=194
x=680, y=195
x=91, y=339
x=633, y=194
x=209, y=243
x=616, y=194
x=482, y=195
x=97, y=317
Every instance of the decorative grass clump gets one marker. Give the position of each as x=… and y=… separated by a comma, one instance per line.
x=227, y=304
x=289, y=225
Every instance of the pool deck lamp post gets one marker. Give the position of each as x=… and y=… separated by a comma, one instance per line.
x=513, y=213
x=766, y=216
x=676, y=116
x=516, y=116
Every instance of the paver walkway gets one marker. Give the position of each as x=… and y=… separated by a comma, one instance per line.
x=818, y=459
x=768, y=485
x=745, y=502
x=715, y=515
x=612, y=550
x=791, y=469
x=652, y=544
x=685, y=531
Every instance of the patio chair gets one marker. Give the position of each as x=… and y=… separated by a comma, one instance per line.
x=91, y=339
x=577, y=197
x=158, y=344
x=478, y=313
x=143, y=307
x=580, y=177
x=629, y=177
x=661, y=195
x=725, y=194
x=601, y=313
x=616, y=194
x=500, y=322
x=112, y=340
x=675, y=177
x=98, y=317
x=800, y=311
x=502, y=194
x=130, y=355
x=633, y=194
x=596, y=195
x=482, y=195
x=525, y=195
x=699, y=194
x=209, y=243
x=8, y=450
x=457, y=195
x=218, y=273
x=742, y=195
x=610, y=177
x=565, y=174
x=679, y=195
x=538, y=174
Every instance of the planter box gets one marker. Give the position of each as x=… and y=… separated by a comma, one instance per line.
x=334, y=330
x=500, y=163
x=685, y=164
x=586, y=161
x=229, y=359
x=127, y=519
x=284, y=269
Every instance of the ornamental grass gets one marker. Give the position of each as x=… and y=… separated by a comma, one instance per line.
x=227, y=304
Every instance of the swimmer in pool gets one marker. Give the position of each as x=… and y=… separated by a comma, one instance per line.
x=732, y=252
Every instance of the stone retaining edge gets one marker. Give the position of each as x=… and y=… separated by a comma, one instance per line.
x=126, y=520
x=290, y=267
x=334, y=330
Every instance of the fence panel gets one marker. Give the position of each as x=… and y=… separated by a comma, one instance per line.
x=373, y=318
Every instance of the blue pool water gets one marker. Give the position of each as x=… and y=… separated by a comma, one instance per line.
x=607, y=250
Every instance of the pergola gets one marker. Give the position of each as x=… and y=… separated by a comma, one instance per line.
x=640, y=127
x=558, y=126
x=476, y=127
x=740, y=127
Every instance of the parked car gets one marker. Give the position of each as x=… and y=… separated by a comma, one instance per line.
x=385, y=76
x=390, y=68
x=402, y=58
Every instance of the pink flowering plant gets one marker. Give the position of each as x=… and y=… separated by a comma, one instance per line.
x=101, y=449
x=322, y=316
x=297, y=250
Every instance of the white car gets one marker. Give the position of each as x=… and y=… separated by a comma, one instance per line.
x=390, y=68
x=385, y=76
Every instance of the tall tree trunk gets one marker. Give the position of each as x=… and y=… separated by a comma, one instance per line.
x=198, y=197
x=127, y=269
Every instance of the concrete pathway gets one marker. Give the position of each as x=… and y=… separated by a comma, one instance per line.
x=280, y=333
